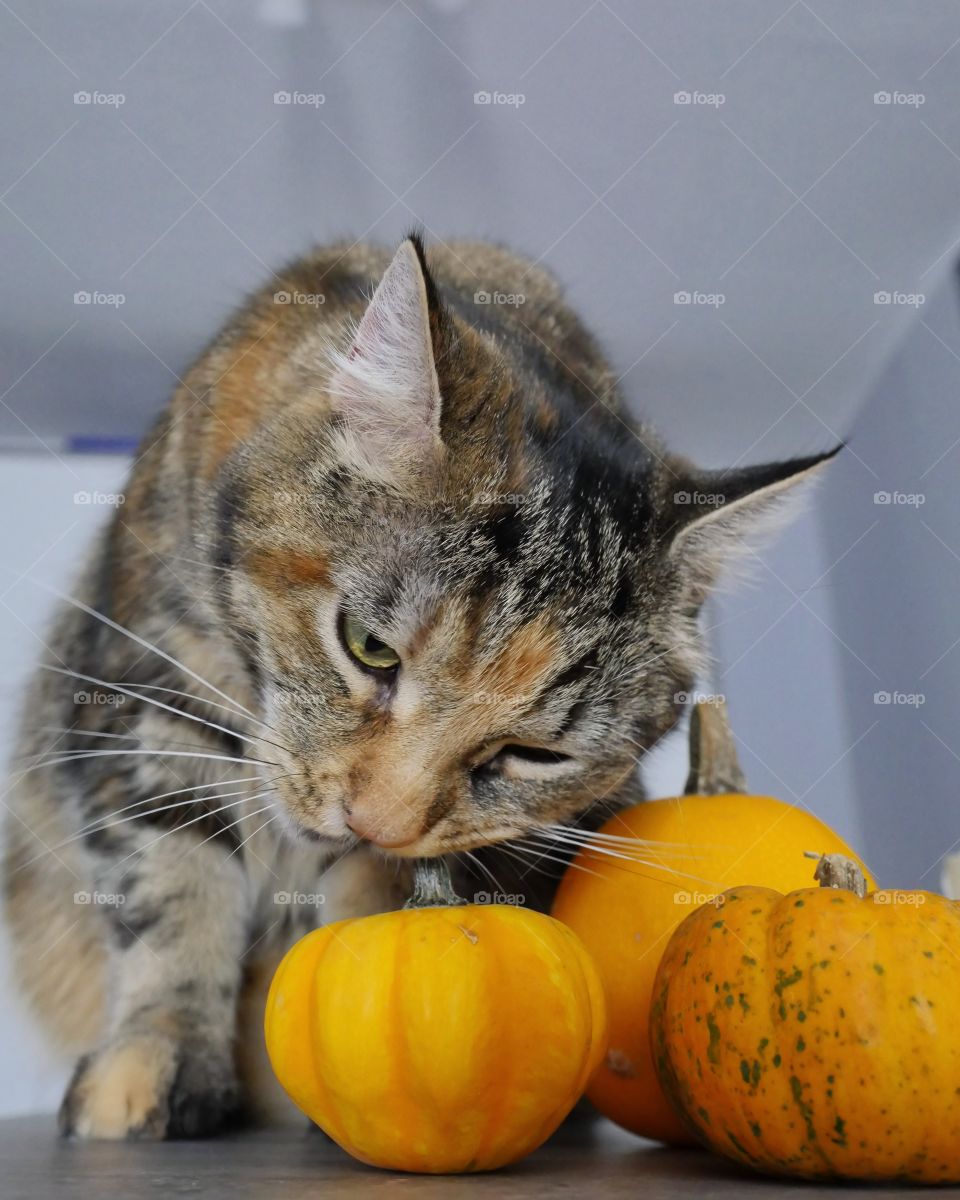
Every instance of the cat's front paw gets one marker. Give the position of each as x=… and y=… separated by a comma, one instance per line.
x=150, y=1087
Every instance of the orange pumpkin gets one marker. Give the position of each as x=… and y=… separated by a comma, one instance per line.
x=625, y=913
x=444, y=1037
x=814, y=1034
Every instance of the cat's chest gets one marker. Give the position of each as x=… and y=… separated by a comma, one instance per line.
x=295, y=888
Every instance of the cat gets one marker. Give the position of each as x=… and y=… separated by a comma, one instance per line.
x=396, y=576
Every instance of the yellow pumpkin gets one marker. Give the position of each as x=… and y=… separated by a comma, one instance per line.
x=625, y=913
x=814, y=1033
x=440, y=1038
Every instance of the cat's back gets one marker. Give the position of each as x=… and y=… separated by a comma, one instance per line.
x=492, y=289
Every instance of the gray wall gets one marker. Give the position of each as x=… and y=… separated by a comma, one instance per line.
x=796, y=199
x=894, y=597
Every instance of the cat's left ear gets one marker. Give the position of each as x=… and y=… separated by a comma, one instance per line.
x=713, y=516
x=385, y=386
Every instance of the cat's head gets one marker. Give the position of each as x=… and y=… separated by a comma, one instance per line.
x=467, y=584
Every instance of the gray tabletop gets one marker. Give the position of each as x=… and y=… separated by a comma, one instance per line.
x=293, y=1164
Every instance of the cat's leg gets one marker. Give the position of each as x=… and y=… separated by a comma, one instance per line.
x=177, y=931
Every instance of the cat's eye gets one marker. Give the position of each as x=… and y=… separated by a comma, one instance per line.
x=534, y=754
x=517, y=761
x=364, y=645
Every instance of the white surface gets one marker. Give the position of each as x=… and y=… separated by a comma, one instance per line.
x=42, y=536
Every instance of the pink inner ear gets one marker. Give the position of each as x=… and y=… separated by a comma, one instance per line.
x=385, y=384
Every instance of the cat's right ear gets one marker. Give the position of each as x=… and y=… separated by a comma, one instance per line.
x=385, y=386
x=712, y=517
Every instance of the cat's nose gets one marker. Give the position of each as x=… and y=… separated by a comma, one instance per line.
x=390, y=835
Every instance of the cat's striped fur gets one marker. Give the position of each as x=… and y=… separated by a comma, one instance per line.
x=458, y=475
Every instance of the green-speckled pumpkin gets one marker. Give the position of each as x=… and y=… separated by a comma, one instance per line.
x=816, y=1033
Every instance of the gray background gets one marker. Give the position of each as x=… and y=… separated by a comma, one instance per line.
x=796, y=200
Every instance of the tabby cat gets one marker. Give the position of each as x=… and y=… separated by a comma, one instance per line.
x=396, y=575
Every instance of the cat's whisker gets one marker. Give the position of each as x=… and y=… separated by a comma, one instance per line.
x=513, y=853
x=127, y=737
x=140, y=816
x=587, y=835
x=141, y=641
x=259, y=829
x=198, y=787
x=96, y=826
x=539, y=854
x=156, y=687
x=486, y=870
x=197, y=562
x=177, y=712
x=639, y=862
x=138, y=804
x=243, y=817
x=101, y=733
x=625, y=848
x=186, y=825
x=82, y=754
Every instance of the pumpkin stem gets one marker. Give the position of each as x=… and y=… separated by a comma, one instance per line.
x=837, y=871
x=714, y=768
x=432, y=885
